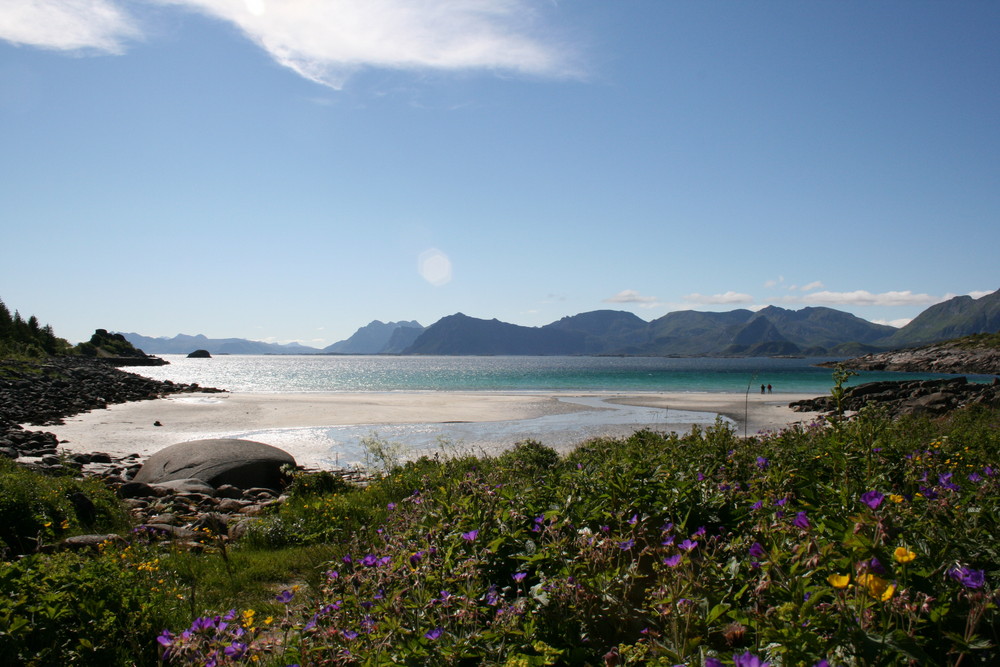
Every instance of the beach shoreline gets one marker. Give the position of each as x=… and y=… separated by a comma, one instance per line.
x=144, y=427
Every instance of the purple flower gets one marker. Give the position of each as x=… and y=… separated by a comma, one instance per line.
x=673, y=561
x=519, y=576
x=872, y=498
x=945, y=481
x=781, y=502
x=748, y=659
x=875, y=565
x=762, y=463
x=669, y=541
x=626, y=545
x=370, y=560
x=688, y=545
x=349, y=635
x=391, y=506
x=416, y=558
x=435, y=633
x=757, y=551
x=757, y=505
x=634, y=520
x=822, y=663
x=236, y=650
x=975, y=477
x=968, y=577
x=713, y=662
x=698, y=533
x=165, y=638
x=284, y=597
x=801, y=521
x=471, y=535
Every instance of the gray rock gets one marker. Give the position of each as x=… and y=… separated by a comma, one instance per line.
x=242, y=463
x=136, y=490
x=190, y=485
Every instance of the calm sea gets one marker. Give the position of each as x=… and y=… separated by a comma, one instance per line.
x=320, y=373
x=340, y=446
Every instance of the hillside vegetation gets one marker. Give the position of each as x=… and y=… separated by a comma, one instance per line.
x=27, y=339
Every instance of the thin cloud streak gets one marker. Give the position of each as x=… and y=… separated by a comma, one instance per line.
x=632, y=296
x=67, y=25
x=727, y=297
x=325, y=41
x=866, y=298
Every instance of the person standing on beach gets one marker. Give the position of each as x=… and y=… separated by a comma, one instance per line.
x=762, y=389
x=769, y=389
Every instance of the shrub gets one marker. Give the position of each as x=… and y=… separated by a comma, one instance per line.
x=83, y=609
x=36, y=509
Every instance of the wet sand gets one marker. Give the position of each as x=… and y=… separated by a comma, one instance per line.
x=132, y=427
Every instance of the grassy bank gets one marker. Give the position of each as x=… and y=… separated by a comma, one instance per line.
x=863, y=543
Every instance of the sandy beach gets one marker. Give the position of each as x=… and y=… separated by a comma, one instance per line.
x=311, y=426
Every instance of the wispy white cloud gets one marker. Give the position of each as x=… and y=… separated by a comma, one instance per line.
x=325, y=40
x=811, y=286
x=727, y=297
x=866, y=298
x=67, y=25
x=775, y=282
x=979, y=294
x=632, y=296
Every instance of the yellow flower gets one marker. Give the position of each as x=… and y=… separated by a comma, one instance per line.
x=904, y=555
x=839, y=580
x=895, y=497
x=878, y=588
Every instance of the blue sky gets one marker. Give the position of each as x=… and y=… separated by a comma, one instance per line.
x=289, y=170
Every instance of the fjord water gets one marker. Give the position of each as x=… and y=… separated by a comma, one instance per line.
x=323, y=373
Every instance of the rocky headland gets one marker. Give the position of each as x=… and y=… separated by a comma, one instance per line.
x=974, y=355
x=909, y=397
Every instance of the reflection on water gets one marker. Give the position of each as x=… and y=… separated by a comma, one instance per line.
x=340, y=446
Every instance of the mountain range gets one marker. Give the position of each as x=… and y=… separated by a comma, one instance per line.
x=771, y=331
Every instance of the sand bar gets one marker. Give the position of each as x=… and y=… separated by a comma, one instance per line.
x=132, y=427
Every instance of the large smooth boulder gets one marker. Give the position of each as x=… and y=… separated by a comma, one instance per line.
x=241, y=463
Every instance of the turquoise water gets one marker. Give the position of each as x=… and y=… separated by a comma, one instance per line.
x=318, y=373
x=339, y=446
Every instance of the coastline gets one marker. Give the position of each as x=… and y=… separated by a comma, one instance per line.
x=301, y=423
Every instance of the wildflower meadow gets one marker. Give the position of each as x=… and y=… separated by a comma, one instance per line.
x=868, y=541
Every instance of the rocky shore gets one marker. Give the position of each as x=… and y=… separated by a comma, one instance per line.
x=973, y=355
x=44, y=393
x=933, y=397
x=47, y=392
